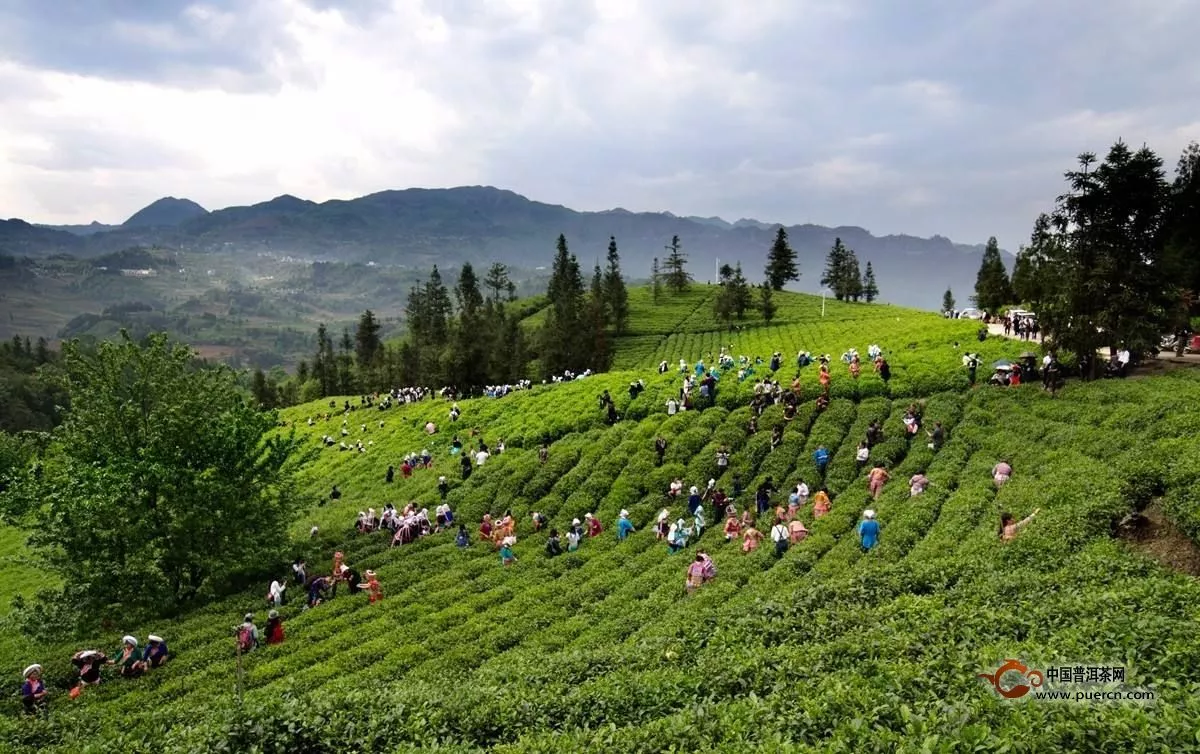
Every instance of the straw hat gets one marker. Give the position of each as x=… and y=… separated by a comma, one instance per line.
x=273, y=614
x=695, y=490
x=34, y=668
x=155, y=639
x=868, y=514
x=624, y=513
x=130, y=640
x=574, y=522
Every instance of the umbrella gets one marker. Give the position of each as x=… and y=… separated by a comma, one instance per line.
x=1029, y=355
x=1003, y=364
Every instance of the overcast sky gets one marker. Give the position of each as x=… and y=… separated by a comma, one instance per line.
x=955, y=117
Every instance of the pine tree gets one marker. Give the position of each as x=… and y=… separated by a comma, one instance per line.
x=561, y=348
x=598, y=356
x=677, y=275
x=467, y=360
x=837, y=264
x=615, y=295
x=345, y=364
x=655, y=280
x=497, y=281
x=367, y=345
x=852, y=283
x=992, y=287
x=781, y=262
x=742, y=297
x=948, y=301
x=870, y=289
x=766, y=302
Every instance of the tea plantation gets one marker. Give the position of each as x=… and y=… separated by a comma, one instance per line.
x=824, y=649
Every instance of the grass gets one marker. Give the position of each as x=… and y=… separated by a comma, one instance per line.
x=823, y=649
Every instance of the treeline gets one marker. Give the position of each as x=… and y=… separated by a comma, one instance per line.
x=1115, y=262
x=31, y=399
x=467, y=337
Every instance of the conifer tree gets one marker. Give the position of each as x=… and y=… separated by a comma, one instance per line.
x=870, y=289
x=677, y=275
x=615, y=295
x=781, y=262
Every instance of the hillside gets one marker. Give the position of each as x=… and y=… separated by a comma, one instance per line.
x=825, y=649
x=481, y=224
x=165, y=213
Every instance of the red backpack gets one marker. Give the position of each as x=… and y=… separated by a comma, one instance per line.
x=245, y=637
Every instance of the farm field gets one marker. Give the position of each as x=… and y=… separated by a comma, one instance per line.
x=824, y=649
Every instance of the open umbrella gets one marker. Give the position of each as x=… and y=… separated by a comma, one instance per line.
x=1029, y=355
x=1003, y=364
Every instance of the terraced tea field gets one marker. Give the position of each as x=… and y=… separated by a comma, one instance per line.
x=823, y=649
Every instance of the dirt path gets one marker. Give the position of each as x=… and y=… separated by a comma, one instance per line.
x=1153, y=535
x=1165, y=361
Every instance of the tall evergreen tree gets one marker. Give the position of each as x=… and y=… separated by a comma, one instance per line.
x=345, y=364
x=837, y=265
x=367, y=345
x=742, y=297
x=766, y=302
x=467, y=361
x=597, y=315
x=870, y=289
x=1102, y=269
x=561, y=348
x=655, y=280
x=724, y=303
x=781, y=262
x=677, y=275
x=948, y=301
x=992, y=287
x=852, y=283
x=497, y=281
x=615, y=295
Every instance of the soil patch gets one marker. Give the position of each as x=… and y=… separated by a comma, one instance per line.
x=1152, y=534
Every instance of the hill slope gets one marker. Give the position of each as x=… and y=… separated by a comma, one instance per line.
x=421, y=227
x=165, y=212
x=825, y=648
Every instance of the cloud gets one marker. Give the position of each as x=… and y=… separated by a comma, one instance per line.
x=923, y=117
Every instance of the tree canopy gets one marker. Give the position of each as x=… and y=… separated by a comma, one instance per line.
x=161, y=487
x=781, y=262
x=992, y=287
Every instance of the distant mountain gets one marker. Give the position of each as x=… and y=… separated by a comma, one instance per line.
x=19, y=238
x=167, y=212
x=481, y=224
x=82, y=230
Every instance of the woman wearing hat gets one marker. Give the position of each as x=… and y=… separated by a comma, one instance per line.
x=593, y=525
x=868, y=530
x=574, y=535
x=624, y=525
x=155, y=655
x=274, y=628
x=128, y=662
x=88, y=661
x=33, y=690
x=506, y=553
x=373, y=587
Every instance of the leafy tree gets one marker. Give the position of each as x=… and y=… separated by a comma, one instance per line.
x=264, y=391
x=677, y=275
x=948, y=301
x=655, y=280
x=561, y=346
x=781, y=262
x=324, y=365
x=1183, y=231
x=615, y=295
x=742, y=297
x=467, y=361
x=367, y=344
x=725, y=302
x=992, y=287
x=162, y=486
x=1101, y=268
x=766, y=302
x=345, y=364
x=870, y=289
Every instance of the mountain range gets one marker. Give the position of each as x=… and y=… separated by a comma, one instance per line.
x=421, y=227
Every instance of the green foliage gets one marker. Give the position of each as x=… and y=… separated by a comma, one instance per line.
x=781, y=262
x=948, y=301
x=160, y=487
x=675, y=272
x=766, y=303
x=870, y=289
x=992, y=288
x=842, y=275
x=616, y=297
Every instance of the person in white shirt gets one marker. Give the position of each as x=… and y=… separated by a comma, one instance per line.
x=672, y=406
x=481, y=457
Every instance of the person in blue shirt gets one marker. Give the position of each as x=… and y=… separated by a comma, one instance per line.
x=694, y=500
x=821, y=458
x=868, y=530
x=624, y=525
x=155, y=653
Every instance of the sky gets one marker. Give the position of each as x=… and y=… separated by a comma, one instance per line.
x=922, y=117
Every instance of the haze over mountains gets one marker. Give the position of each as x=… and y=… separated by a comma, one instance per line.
x=481, y=224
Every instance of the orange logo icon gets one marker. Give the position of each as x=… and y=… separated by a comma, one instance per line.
x=1028, y=679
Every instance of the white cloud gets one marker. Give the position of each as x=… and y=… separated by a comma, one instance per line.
x=792, y=110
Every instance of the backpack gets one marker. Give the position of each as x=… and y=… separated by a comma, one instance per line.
x=245, y=637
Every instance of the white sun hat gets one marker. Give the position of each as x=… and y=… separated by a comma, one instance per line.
x=34, y=668
x=868, y=514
